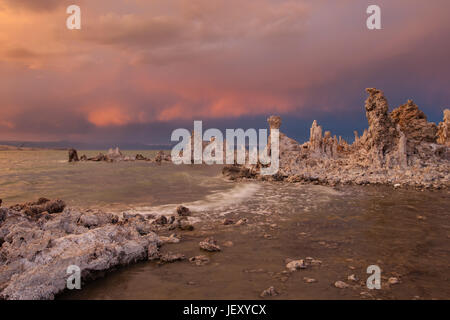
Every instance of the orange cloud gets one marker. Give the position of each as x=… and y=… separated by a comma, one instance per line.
x=109, y=116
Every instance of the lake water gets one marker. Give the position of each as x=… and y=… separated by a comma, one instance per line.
x=405, y=232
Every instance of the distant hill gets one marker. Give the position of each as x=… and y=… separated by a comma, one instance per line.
x=12, y=148
x=30, y=145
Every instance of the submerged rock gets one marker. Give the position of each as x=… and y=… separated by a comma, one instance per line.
x=352, y=277
x=199, y=260
x=309, y=280
x=393, y=280
x=170, y=257
x=209, y=244
x=341, y=285
x=269, y=292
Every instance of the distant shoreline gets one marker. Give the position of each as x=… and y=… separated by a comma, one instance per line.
x=14, y=148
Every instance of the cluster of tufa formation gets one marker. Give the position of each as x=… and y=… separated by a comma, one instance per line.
x=115, y=155
x=398, y=148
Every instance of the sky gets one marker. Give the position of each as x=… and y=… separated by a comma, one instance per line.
x=139, y=69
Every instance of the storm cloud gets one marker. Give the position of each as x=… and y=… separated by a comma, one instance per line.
x=138, y=69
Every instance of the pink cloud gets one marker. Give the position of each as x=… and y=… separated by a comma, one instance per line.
x=108, y=116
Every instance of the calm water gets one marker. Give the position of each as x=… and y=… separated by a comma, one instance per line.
x=28, y=175
x=405, y=232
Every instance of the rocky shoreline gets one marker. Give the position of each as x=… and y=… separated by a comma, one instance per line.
x=400, y=148
x=40, y=240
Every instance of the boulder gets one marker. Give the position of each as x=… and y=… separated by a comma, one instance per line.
x=73, y=155
x=183, y=211
x=209, y=244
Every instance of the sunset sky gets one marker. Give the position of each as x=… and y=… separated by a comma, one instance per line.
x=139, y=69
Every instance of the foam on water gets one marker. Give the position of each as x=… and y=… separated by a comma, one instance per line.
x=216, y=203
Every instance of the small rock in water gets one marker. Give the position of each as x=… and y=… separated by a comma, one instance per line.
x=421, y=218
x=352, y=278
x=313, y=262
x=269, y=292
x=296, y=265
x=140, y=157
x=171, y=239
x=341, y=285
x=309, y=280
x=316, y=262
x=228, y=243
x=260, y=270
x=397, y=185
x=199, y=260
x=209, y=244
x=303, y=234
x=172, y=257
x=183, y=211
x=393, y=280
x=227, y=222
x=73, y=155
